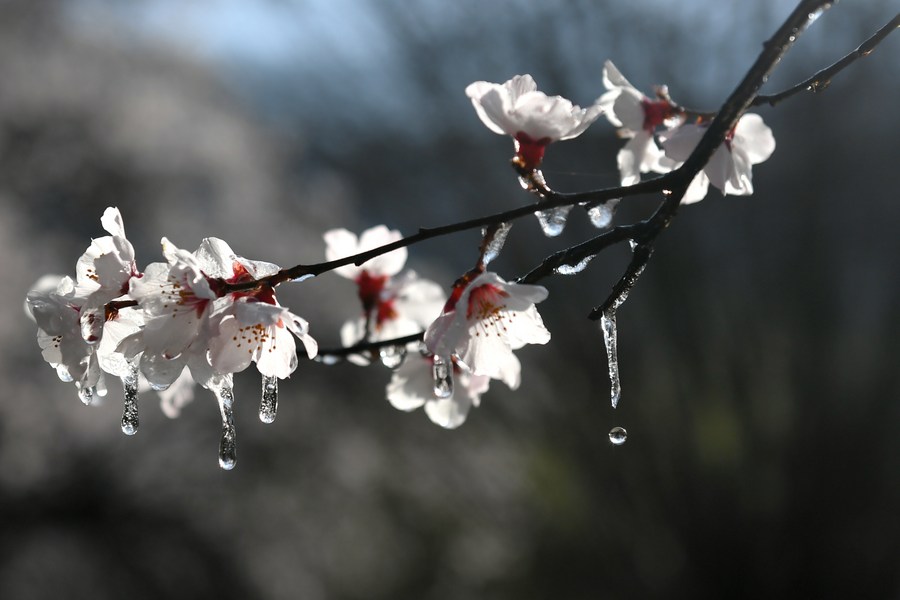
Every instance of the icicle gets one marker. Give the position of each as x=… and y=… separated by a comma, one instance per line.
x=87, y=394
x=227, y=448
x=553, y=220
x=443, y=378
x=130, y=412
x=392, y=356
x=496, y=243
x=268, y=406
x=570, y=269
x=601, y=215
x=608, y=325
x=63, y=373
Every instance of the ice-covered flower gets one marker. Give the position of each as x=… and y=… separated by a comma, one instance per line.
x=105, y=268
x=259, y=330
x=534, y=120
x=56, y=308
x=638, y=118
x=729, y=169
x=412, y=386
x=484, y=321
x=392, y=305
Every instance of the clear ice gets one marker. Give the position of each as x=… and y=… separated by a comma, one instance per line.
x=496, y=244
x=570, y=269
x=443, y=378
x=87, y=394
x=618, y=435
x=601, y=215
x=227, y=447
x=268, y=405
x=608, y=325
x=553, y=220
x=130, y=411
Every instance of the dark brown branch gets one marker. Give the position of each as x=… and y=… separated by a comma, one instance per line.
x=363, y=347
x=822, y=79
x=639, y=258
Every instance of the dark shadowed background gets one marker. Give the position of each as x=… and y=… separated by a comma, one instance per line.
x=760, y=352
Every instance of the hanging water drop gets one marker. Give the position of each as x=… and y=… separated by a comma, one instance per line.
x=443, y=378
x=268, y=405
x=570, y=269
x=130, y=412
x=553, y=220
x=495, y=245
x=601, y=215
x=227, y=448
x=608, y=325
x=392, y=356
x=618, y=435
x=87, y=394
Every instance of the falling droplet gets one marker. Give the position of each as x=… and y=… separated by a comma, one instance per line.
x=91, y=325
x=601, y=215
x=87, y=394
x=130, y=412
x=608, y=325
x=553, y=220
x=268, y=406
x=618, y=435
x=227, y=446
x=496, y=244
x=443, y=378
x=570, y=269
x=392, y=356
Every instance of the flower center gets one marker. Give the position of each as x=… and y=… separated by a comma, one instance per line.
x=656, y=113
x=529, y=151
x=369, y=288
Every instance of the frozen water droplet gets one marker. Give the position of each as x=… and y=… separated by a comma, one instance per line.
x=601, y=215
x=496, y=244
x=87, y=394
x=302, y=278
x=570, y=269
x=227, y=447
x=159, y=387
x=392, y=356
x=553, y=220
x=268, y=405
x=608, y=325
x=130, y=412
x=329, y=359
x=443, y=378
x=618, y=435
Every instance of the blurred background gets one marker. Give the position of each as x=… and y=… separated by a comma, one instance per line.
x=760, y=352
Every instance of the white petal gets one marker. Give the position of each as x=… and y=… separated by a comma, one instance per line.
x=697, y=190
x=231, y=351
x=411, y=384
x=754, y=138
x=112, y=222
x=493, y=106
x=678, y=143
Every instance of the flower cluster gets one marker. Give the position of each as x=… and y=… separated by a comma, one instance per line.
x=189, y=312
x=200, y=317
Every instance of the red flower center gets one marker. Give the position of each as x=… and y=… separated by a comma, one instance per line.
x=530, y=151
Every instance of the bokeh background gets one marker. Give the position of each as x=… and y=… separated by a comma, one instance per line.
x=760, y=352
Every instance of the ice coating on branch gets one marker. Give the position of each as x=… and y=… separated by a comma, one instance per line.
x=130, y=410
x=227, y=445
x=268, y=405
x=533, y=119
x=608, y=326
x=573, y=269
x=553, y=220
x=495, y=245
